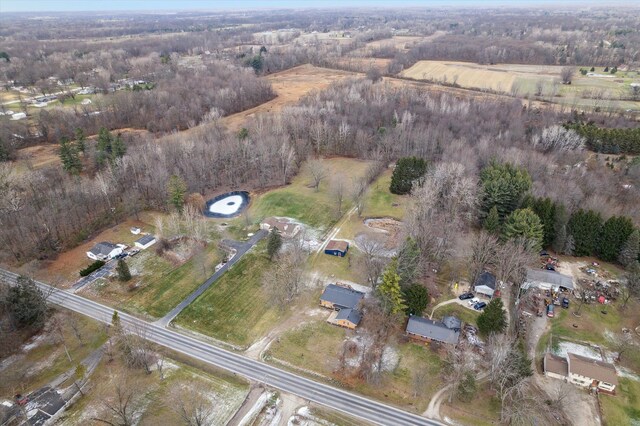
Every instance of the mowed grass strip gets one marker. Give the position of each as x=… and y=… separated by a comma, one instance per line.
x=163, y=293
x=380, y=202
x=161, y=284
x=235, y=309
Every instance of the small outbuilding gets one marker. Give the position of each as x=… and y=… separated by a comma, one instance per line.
x=485, y=284
x=18, y=116
x=337, y=248
x=104, y=250
x=145, y=241
x=135, y=230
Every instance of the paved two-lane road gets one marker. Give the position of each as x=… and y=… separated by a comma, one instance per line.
x=318, y=393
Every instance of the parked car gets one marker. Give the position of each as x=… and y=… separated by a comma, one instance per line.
x=550, y=311
x=550, y=267
x=465, y=296
x=134, y=252
x=120, y=256
x=479, y=306
x=473, y=301
x=565, y=303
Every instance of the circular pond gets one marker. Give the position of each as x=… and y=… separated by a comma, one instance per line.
x=230, y=204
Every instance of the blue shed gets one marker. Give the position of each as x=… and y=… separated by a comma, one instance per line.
x=337, y=248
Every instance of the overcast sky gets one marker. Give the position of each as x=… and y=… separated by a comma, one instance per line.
x=149, y=5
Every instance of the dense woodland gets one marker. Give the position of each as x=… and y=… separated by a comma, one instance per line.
x=198, y=69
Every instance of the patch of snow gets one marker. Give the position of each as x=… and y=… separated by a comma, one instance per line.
x=390, y=355
x=255, y=410
x=565, y=347
x=34, y=343
x=227, y=205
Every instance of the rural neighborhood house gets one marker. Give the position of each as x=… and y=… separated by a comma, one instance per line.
x=105, y=250
x=426, y=330
x=582, y=371
x=485, y=284
x=145, y=242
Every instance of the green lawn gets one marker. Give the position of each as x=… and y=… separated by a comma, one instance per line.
x=46, y=361
x=379, y=202
x=235, y=309
x=161, y=285
x=468, y=316
x=591, y=324
x=624, y=408
x=301, y=201
x=316, y=346
x=346, y=268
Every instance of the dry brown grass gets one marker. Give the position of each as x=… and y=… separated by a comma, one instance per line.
x=290, y=86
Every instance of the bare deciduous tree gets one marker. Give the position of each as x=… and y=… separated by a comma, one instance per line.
x=566, y=74
x=124, y=404
x=190, y=402
x=373, y=263
x=483, y=254
x=338, y=192
x=318, y=172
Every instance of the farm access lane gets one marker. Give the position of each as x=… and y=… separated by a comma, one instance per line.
x=241, y=248
x=319, y=393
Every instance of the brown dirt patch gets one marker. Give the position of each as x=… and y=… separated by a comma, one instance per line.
x=64, y=269
x=290, y=86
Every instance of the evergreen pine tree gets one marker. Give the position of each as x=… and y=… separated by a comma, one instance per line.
x=389, y=290
x=615, y=232
x=492, y=222
x=503, y=186
x=118, y=148
x=416, y=298
x=408, y=261
x=407, y=171
x=177, y=189
x=585, y=226
x=70, y=157
x=273, y=243
x=630, y=249
x=80, y=139
x=524, y=223
x=493, y=318
x=123, y=270
x=560, y=228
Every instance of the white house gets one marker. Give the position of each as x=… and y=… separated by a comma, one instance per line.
x=18, y=116
x=485, y=284
x=591, y=373
x=104, y=251
x=582, y=371
x=145, y=242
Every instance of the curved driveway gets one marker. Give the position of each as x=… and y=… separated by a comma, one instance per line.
x=319, y=393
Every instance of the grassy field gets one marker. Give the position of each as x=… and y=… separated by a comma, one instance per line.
x=300, y=201
x=345, y=268
x=161, y=285
x=521, y=80
x=483, y=410
x=469, y=316
x=45, y=358
x=624, y=408
x=236, y=309
x=225, y=393
x=317, y=345
x=379, y=202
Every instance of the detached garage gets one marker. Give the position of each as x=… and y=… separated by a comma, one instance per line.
x=145, y=242
x=337, y=248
